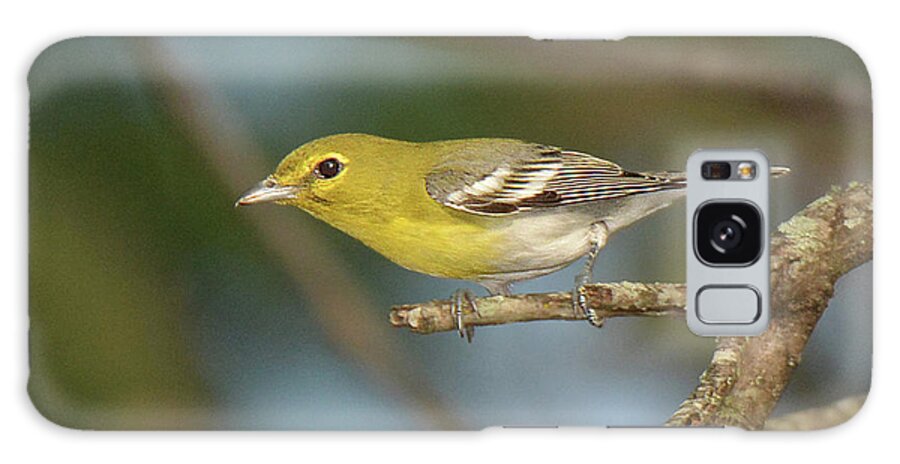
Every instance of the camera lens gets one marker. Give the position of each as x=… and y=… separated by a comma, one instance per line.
x=728, y=233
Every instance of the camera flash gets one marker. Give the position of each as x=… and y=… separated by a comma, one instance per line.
x=746, y=170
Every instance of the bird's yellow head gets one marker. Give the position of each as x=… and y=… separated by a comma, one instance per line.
x=339, y=176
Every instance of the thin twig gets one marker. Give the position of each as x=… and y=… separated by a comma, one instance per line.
x=609, y=300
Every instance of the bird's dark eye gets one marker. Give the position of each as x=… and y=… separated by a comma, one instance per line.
x=328, y=168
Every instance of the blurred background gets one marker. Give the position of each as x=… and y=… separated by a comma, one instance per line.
x=156, y=304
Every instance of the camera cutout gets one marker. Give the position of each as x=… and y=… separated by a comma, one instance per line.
x=728, y=170
x=727, y=242
x=728, y=233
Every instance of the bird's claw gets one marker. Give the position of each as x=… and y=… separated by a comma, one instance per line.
x=581, y=307
x=461, y=298
x=599, y=232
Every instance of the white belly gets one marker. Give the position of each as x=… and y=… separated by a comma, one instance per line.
x=541, y=244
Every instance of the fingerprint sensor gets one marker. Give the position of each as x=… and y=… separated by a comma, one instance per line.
x=728, y=304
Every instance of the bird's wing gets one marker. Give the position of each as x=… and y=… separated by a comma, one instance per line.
x=534, y=176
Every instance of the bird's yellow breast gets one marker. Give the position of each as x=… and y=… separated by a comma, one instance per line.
x=431, y=239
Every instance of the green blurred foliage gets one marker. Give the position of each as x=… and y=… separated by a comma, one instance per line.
x=113, y=226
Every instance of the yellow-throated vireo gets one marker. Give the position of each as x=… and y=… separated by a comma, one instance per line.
x=489, y=210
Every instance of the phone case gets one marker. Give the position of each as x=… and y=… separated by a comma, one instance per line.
x=155, y=303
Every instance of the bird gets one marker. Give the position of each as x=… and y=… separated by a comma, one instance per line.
x=494, y=211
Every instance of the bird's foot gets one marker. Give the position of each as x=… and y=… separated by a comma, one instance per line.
x=462, y=299
x=598, y=234
x=580, y=305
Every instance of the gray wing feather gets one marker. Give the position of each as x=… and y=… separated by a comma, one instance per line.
x=520, y=177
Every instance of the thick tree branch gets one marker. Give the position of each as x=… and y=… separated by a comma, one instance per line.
x=747, y=375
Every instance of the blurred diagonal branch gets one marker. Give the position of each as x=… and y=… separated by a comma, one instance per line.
x=346, y=316
x=747, y=375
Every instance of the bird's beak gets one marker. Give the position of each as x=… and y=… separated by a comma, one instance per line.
x=267, y=191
